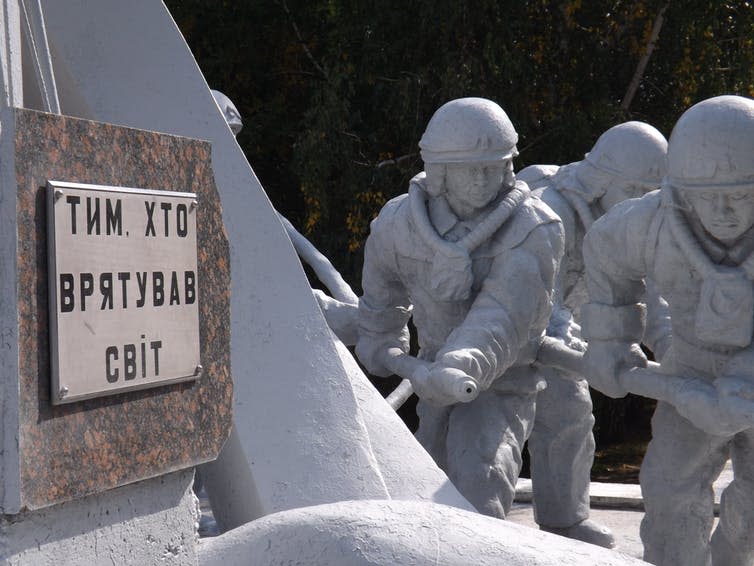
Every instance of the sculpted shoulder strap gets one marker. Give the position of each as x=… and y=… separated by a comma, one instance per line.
x=451, y=277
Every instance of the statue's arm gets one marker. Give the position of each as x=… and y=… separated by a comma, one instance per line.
x=613, y=320
x=659, y=330
x=385, y=307
x=512, y=307
x=614, y=261
x=571, y=261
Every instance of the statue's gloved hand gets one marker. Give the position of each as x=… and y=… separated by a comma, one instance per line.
x=605, y=360
x=371, y=348
x=563, y=327
x=442, y=385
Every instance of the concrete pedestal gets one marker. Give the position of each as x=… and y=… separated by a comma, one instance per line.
x=147, y=523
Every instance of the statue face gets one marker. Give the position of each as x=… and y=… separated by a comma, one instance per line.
x=230, y=112
x=233, y=118
x=618, y=192
x=726, y=214
x=472, y=186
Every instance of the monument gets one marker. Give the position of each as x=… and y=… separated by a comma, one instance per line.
x=85, y=483
x=693, y=239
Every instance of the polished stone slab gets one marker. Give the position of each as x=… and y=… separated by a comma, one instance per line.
x=66, y=452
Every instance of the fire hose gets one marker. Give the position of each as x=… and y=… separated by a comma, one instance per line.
x=725, y=406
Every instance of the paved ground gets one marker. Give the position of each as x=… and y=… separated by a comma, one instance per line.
x=617, y=506
x=624, y=524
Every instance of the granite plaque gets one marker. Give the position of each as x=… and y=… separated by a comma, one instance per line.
x=60, y=452
x=123, y=289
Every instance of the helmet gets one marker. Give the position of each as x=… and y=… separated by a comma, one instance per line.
x=712, y=145
x=230, y=112
x=633, y=151
x=467, y=130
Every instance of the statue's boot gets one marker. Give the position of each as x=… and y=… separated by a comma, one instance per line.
x=585, y=531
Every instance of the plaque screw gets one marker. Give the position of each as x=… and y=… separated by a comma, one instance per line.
x=63, y=391
x=194, y=204
x=198, y=371
x=58, y=193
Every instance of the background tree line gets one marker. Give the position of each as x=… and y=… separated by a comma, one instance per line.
x=335, y=95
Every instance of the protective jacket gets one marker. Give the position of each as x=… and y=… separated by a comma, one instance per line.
x=511, y=279
x=710, y=293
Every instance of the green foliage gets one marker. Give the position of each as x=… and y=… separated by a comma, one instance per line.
x=335, y=95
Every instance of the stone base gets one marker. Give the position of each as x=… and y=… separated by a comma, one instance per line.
x=147, y=523
x=382, y=533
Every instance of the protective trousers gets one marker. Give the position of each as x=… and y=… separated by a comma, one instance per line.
x=679, y=468
x=479, y=445
x=677, y=474
x=561, y=448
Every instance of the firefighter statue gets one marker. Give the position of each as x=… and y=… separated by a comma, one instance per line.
x=473, y=258
x=695, y=240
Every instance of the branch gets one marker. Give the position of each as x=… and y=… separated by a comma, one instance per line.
x=301, y=41
x=396, y=161
x=642, y=66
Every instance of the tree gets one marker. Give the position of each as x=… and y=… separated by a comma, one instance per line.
x=335, y=95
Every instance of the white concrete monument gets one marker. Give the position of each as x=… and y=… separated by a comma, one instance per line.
x=312, y=440
x=389, y=533
x=473, y=258
x=695, y=240
x=627, y=161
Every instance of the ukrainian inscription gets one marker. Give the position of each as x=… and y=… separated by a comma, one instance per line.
x=123, y=289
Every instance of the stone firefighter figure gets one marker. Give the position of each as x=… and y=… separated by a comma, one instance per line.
x=627, y=161
x=695, y=240
x=473, y=259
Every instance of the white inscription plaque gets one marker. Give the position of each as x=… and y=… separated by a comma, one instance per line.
x=124, y=308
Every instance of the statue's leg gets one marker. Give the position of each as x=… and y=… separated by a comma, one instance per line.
x=484, y=444
x=561, y=447
x=676, y=483
x=562, y=450
x=733, y=540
